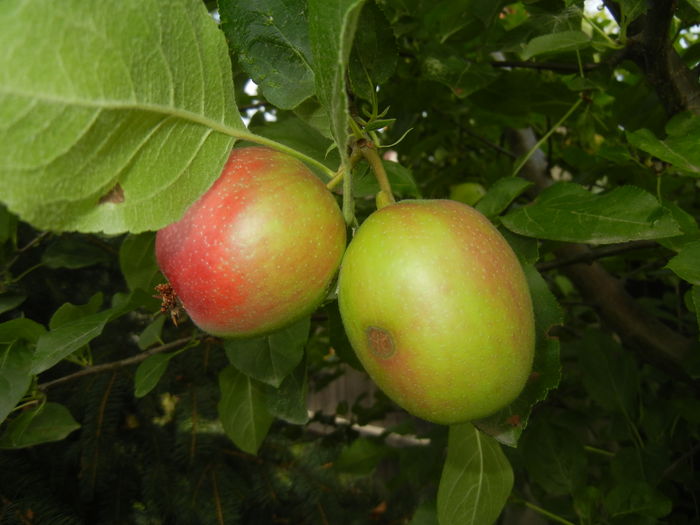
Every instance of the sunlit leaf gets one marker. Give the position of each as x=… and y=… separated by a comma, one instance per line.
x=115, y=114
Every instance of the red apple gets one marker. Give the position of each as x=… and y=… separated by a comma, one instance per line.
x=437, y=308
x=258, y=250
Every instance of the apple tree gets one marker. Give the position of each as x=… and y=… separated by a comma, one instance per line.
x=572, y=126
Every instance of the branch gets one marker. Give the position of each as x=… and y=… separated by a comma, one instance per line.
x=594, y=254
x=105, y=367
x=561, y=67
x=649, y=45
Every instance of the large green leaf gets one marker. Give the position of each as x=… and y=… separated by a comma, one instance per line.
x=476, y=478
x=568, y=212
x=242, y=409
x=270, y=358
x=46, y=423
x=116, y=114
x=271, y=42
x=679, y=148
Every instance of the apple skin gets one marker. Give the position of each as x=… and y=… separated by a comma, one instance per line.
x=438, y=310
x=258, y=250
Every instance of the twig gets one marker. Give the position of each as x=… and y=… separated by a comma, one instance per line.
x=104, y=367
x=594, y=254
x=562, y=67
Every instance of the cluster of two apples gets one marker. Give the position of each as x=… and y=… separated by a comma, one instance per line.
x=432, y=298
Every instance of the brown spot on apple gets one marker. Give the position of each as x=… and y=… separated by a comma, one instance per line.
x=380, y=342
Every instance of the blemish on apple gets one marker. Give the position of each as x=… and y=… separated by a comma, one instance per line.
x=380, y=342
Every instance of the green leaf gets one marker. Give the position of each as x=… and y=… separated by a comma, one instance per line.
x=553, y=456
x=476, y=478
x=149, y=373
x=462, y=76
x=115, y=114
x=295, y=133
x=401, y=179
x=271, y=43
x=288, y=402
x=361, y=457
x=374, y=54
x=501, y=194
x=73, y=253
x=680, y=148
x=568, y=212
x=61, y=342
x=242, y=409
x=631, y=9
x=68, y=312
x=21, y=329
x=152, y=333
x=637, y=498
x=508, y=424
x=270, y=358
x=15, y=375
x=561, y=42
x=696, y=302
x=137, y=260
x=609, y=373
x=332, y=26
x=11, y=301
x=425, y=514
x=687, y=263
x=49, y=422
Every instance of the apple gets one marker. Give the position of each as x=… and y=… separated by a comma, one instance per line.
x=437, y=308
x=258, y=250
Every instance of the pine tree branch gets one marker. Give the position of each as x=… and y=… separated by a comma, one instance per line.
x=113, y=365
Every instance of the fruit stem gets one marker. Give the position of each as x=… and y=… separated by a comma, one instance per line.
x=337, y=179
x=385, y=196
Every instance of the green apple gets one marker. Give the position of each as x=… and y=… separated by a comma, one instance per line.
x=258, y=250
x=437, y=308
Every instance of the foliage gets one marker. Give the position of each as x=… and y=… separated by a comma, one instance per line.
x=577, y=133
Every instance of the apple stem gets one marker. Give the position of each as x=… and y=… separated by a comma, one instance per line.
x=385, y=196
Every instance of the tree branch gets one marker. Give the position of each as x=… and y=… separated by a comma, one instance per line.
x=561, y=67
x=105, y=367
x=649, y=45
x=594, y=254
